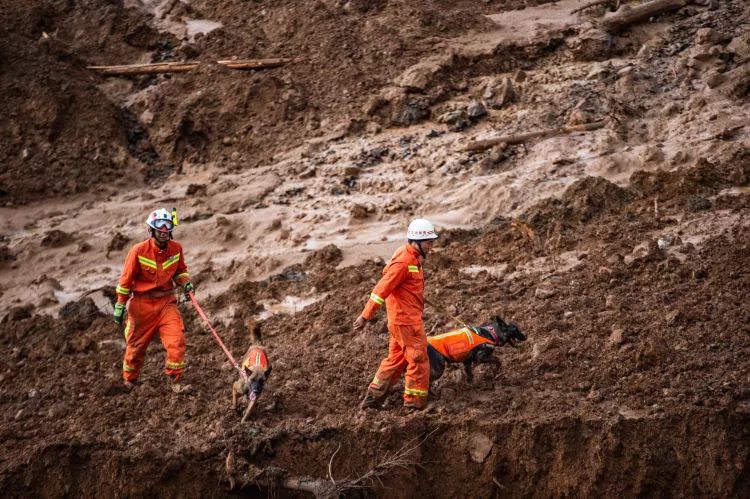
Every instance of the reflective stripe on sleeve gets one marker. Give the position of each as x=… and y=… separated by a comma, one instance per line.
x=123, y=290
x=176, y=365
x=376, y=299
x=413, y=268
x=184, y=274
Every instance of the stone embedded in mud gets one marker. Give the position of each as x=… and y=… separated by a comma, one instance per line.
x=6, y=255
x=56, y=238
x=545, y=291
x=476, y=110
x=412, y=111
x=499, y=92
x=480, y=447
x=591, y=44
x=359, y=211
x=616, y=337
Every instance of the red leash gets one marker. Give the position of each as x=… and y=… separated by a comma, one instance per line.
x=213, y=331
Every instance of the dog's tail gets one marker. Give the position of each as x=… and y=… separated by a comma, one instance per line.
x=254, y=329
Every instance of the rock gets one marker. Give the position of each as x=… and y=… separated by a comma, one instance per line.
x=545, y=291
x=418, y=77
x=33, y=393
x=740, y=45
x=359, y=211
x=117, y=243
x=610, y=302
x=616, y=337
x=665, y=242
x=480, y=447
x=451, y=117
x=196, y=190
x=412, y=111
x=56, y=238
x=476, y=110
x=638, y=253
x=703, y=35
x=519, y=76
x=499, y=93
x=698, y=203
x=591, y=44
x=673, y=317
x=18, y=415
x=6, y=255
x=351, y=171
x=715, y=78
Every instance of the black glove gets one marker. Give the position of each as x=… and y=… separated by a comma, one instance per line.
x=119, y=312
x=187, y=289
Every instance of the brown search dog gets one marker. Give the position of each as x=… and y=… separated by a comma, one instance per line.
x=256, y=368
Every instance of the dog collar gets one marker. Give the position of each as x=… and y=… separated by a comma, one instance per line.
x=493, y=333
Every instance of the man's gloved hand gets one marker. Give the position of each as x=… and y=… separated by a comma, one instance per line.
x=119, y=312
x=187, y=289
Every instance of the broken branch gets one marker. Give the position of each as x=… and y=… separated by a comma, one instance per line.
x=627, y=15
x=257, y=63
x=184, y=67
x=481, y=145
x=145, y=69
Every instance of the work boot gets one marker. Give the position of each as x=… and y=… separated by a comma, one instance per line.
x=371, y=402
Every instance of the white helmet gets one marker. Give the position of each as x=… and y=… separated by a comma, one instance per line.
x=160, y=220
x=421, y=230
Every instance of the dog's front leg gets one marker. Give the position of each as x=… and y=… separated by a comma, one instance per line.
x=250, y=405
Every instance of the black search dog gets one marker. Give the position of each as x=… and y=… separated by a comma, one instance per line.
x=255, y=368
x=442, y=352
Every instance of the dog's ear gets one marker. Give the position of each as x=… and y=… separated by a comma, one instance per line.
x=499, y=321
x=268, y=371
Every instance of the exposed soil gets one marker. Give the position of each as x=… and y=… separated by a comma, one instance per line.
x=622, y=253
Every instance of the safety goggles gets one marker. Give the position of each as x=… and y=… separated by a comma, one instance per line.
x=163, y=225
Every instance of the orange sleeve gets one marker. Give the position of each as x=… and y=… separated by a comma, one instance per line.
x=181, y=275
x=127, y=277
x=393, y=275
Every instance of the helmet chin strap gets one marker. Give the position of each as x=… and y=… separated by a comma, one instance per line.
x=421, y=251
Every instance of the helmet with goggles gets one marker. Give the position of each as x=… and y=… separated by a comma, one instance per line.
x=160, y=220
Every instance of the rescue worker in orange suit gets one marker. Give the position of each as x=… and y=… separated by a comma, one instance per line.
x=147, y=284
x=401, y=289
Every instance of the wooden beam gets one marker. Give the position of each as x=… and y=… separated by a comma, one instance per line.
x=627, y=14
x=481, y=145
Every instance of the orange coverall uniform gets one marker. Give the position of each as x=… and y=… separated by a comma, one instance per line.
x=402, y=290
x=456, y=345
x=148, y=275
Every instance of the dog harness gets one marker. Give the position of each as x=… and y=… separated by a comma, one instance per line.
x=456, y=345
x=256, y=357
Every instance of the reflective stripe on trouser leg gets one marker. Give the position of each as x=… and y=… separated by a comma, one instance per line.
x=417, y=382
x=172, y=334
x=390, y=368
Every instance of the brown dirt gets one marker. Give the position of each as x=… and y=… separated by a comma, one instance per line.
x=622, y=254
